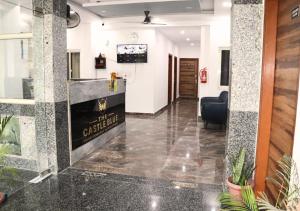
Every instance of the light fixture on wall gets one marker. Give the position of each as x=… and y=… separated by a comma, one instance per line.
x=188, y=39
x=192, y=44
x=182, y=32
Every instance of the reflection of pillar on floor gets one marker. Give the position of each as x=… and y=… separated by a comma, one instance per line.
x=246, y=47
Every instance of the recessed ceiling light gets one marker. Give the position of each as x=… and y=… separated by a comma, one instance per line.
x=188, y=39
x=227, y=4
x=182, y=32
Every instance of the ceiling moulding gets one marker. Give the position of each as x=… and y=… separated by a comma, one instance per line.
x=118, y=2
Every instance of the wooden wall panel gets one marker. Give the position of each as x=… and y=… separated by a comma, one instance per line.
x=188, y=80
x=285, y=87
x=175, y=78
x=267, y=87
x=170, y=77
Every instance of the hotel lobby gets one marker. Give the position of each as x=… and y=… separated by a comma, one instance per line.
x=147, y=105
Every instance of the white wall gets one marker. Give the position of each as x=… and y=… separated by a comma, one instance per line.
x=140, y=77
x=189, y=51
x=79, y=39
x=147, y=83
x=164, y=48
x=214, y=38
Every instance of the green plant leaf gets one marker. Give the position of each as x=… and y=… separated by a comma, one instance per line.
x=238, y=166
x=246, y=203
x=248, y=198
x=3, y=123
x=229, y=203
x=264, y=203
x=286, y=181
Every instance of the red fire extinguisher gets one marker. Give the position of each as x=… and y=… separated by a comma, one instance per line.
x=203, y=75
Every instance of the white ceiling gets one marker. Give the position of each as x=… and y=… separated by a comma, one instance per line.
x=178, y=15
x=25, y=4
x=179, y=35
x=124, y=8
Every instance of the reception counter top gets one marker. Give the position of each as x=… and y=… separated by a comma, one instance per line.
x=85, y=90
x=97, y=114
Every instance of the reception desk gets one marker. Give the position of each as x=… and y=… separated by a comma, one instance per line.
x=97, y=114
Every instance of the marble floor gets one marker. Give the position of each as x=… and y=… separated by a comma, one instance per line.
x=77, y=190
x=13, y=180
x=163, y=163
x=172, y=145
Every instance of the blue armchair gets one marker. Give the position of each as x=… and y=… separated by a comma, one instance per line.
x=214, y=109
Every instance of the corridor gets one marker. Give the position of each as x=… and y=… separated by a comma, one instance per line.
x=171, y=146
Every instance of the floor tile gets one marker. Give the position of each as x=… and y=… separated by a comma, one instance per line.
x=172, y=145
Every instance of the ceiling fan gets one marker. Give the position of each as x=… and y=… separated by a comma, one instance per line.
x=147, y=20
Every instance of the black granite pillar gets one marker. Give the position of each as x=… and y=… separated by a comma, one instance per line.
x=247, y=38
x=51, y=87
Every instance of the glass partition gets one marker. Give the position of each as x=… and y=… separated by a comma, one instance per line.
x=21, y=62
x=16, y=60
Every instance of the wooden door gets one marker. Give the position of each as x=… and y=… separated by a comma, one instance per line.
x=285, y=91
x=170, y=79
x=175, y=78
x=188, y=80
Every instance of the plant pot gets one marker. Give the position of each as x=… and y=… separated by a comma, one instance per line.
x=3, y=197
x=235, y=190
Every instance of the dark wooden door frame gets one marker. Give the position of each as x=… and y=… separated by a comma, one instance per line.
x=267, y=91
x=197, y=79
x=170, y=77
x=175, y=77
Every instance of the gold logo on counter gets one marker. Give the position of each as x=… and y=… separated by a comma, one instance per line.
x=100, y=125
x=102, y=105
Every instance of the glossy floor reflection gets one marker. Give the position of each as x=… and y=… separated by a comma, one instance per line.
x=13, y=180
x=168, y=162
x=172, y=146
x=81, y=190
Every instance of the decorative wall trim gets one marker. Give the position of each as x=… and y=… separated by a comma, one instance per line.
x=248, y=1
x=21, y=163
x=147, y=115
x=17, y=109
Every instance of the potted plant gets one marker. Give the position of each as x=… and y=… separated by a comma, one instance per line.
x=241, y=174
x=285, y=181
x=247, y=201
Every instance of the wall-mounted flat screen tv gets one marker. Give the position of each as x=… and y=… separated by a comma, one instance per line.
x=132, y=53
